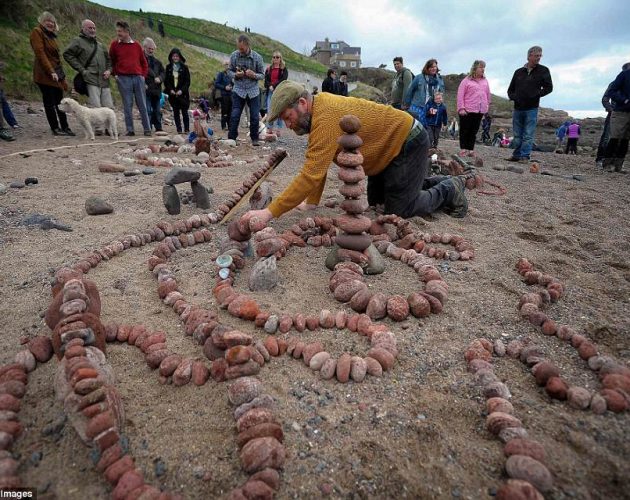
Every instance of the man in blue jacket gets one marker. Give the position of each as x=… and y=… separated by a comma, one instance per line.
x=619, y=92
x=528, y=85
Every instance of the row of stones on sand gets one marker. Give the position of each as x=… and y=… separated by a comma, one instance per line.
x=614, y=376
x=260, y=438
x=525, y=466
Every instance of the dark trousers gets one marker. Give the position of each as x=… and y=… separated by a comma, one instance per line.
x=155, y=111
x=177, y=110
x=226, y=110
x=468, y=128
x=434, y=135
x=52, y=97
x=238, y=104
x=571, y=146
x=6, y=111
x=603, y=140
x=404, y=187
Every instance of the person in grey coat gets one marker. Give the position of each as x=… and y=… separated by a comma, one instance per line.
x=97, y=73
x=153, y=83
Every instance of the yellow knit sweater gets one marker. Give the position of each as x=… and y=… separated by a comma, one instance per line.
x=383, y=130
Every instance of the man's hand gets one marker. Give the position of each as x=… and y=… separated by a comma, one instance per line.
x=303, y=207
x=179, y=92
x=54, y=76
x=157, y=79
x=250, y=74
x=271, y=88
x=263, y=215
x=239, y=74
x=228, y=87
x=106, y=74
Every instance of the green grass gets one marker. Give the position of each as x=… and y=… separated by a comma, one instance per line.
x=18, y=18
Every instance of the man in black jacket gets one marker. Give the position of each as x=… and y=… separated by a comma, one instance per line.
x=153, y=83
x=603, y=140
x=329, y=84
x=619, y=92
x=528, y=85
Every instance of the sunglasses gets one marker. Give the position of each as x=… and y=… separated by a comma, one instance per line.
x=276, y=57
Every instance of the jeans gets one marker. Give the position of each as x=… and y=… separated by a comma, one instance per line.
x=403, y=186
x=617, y=147
x=468, y=128
x=52, y=97
x=434, y=135
x=130, y=87
x=226, y=110
x=238, y=103
x=155, y=111
x=276, y=123
x=524, y=125
x=6, y=111
x=100, y=97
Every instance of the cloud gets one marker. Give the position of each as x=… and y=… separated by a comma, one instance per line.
x=584, y=43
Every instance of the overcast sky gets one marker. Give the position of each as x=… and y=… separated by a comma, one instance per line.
x=584, y=42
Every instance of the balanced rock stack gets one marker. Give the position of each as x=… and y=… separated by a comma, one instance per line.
x=354, y=243
x=179, y=176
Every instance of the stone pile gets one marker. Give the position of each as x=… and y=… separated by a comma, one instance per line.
x=170, y=197
x=353, y=243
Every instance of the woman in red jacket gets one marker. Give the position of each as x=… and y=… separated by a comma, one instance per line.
x=275, y=73
x=48, y=73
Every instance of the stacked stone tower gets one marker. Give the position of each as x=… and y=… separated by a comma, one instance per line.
x=353, y=243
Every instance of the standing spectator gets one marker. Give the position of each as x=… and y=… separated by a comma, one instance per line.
x=87, y=56
x=617, y=148
x=176, y=85
x=224, y=84
x=161, y=28
x=246, y=68
x=275, y=73
x=342, y=85
x=153, y=82
x=422, y=88
x=329, y=84
x=561, y=132
x=603, y=140
x=528, y=85
x=473, y=101
x=435, y=119
x=150, y=22
x=7, y=114
x=5, y=133
x=400, y=83
x=486, y=123
x=48, y=73
x=573, y=134
x=130, y=68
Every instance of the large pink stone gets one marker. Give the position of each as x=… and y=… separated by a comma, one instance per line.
x=353, y=224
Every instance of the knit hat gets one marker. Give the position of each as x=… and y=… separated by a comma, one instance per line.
x=284, y=95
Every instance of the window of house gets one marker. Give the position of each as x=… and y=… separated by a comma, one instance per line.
x=353, y=64
x=334, y=45
x=342, y=64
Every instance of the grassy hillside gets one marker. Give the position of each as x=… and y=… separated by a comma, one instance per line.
x=17, y=19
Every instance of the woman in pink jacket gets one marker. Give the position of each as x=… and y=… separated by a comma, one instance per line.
x=473, y=101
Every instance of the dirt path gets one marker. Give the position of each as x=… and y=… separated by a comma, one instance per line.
x=418, y=432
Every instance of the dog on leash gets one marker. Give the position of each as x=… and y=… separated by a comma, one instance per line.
x=91, y=118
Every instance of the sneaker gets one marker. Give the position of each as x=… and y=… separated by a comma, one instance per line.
x=147, y=133
x=130, y=134
x=69, y=132
x=512, y=158
x=255, y=143
x=6, y=135
x=459, y=205
x=57, y=131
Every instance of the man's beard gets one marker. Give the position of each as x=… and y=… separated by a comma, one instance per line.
x=303, y=124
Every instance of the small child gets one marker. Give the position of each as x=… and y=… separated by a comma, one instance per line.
x=573, y=134
x=435, y=118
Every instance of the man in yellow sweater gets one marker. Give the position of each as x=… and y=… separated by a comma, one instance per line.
x=395, y=148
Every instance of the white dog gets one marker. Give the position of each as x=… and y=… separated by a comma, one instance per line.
x=91, y=118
